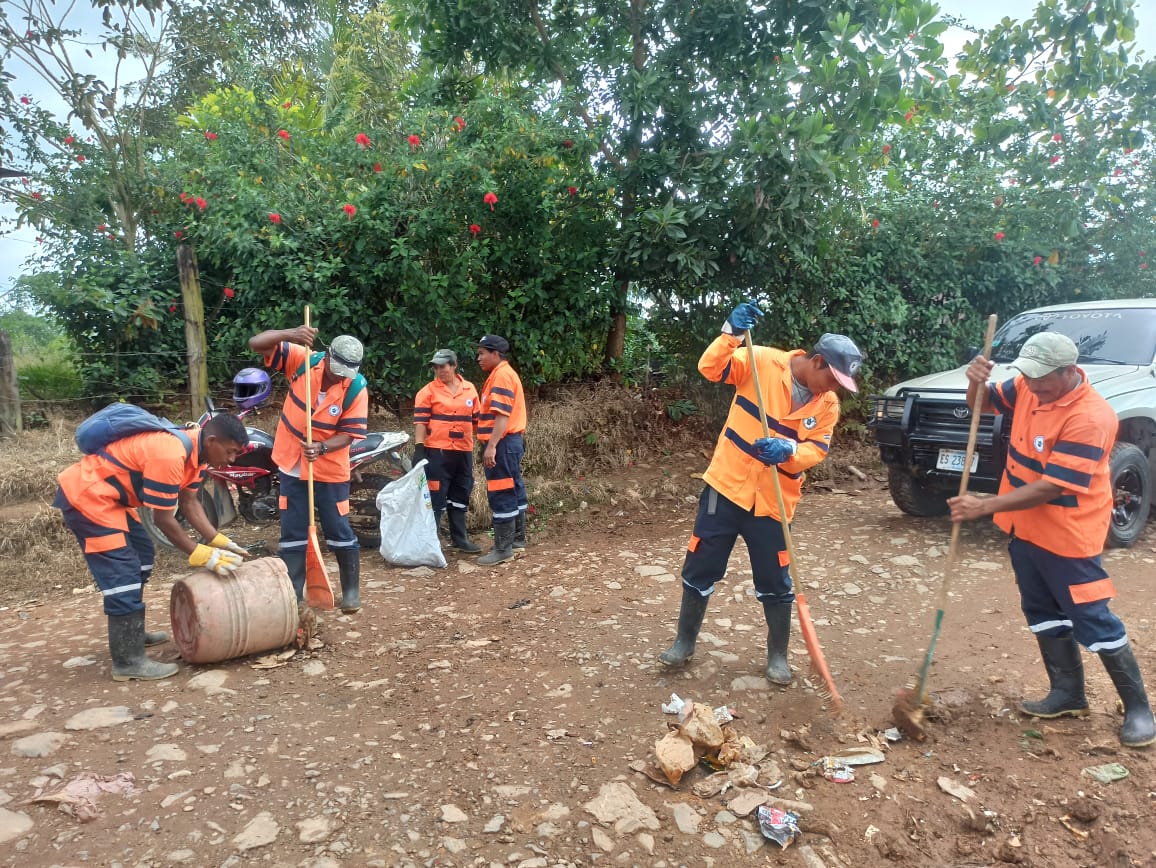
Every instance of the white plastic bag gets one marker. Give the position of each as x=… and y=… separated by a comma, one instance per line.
x=409, y=531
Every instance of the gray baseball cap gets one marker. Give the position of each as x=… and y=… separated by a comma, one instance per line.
x=840, y=352
x=1045, y=352
x=345, y=355
x=444, y=357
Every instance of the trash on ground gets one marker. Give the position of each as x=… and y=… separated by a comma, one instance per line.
x=273, y=661
x=893, y=734
x=1065, y=821
x=77, y=798
x=1106, y=773
x=858, y=756
x=836, y=771
x=698, y=739
x=675, y=705
x=722, y=715
x=778, y=825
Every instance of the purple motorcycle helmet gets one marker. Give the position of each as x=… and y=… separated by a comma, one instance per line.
x=251, y=387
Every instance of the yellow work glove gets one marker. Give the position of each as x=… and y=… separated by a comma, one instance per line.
x=221, y=561
x=220, y=541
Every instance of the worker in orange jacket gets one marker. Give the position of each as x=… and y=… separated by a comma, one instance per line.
x=799, y=393
x=340, y=415
x=445, y=417
x=98, y=498
x=501, y=421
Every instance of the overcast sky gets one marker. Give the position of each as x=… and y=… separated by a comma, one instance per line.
x=16, y=246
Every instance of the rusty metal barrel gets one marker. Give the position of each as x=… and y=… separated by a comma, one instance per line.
x=218, y=618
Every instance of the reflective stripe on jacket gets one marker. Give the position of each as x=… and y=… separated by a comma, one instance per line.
x=502, y=396
x=1069, y=443
x=147, y=469
x=330, y=416
x=450, y=419
x=734, y=470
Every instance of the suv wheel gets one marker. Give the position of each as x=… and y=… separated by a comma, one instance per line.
x=914, y=498
x=1132, y=492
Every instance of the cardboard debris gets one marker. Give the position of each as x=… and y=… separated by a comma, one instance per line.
x=78, y=797
x=954, y=788
x=675, y=755
x=697, y=722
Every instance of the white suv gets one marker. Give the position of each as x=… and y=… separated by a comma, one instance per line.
x=921, y=425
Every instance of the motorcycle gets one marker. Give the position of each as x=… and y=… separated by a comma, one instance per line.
x=251, y=485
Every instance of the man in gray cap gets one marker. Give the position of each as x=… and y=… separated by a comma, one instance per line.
x=800, y=395
x=340, y=415
x=445, y=419
x=1056, y=500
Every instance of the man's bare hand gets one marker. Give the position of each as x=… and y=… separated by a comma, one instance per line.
x=303, y=335
x=979, y=370
x=968, y=507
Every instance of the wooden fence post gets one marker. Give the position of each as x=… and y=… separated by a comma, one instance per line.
x=10, y=420
x=195, y=343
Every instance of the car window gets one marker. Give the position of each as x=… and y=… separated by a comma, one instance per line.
x=1125, y=336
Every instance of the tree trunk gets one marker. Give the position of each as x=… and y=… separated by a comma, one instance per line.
x=195, y=343
x=10, y=422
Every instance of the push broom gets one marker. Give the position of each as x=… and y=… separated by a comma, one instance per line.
x=318, y=590
x=908, y=710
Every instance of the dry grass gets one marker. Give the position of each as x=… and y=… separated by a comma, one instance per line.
x=30, y=462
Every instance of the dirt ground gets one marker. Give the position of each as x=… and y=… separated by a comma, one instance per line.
x=470, y=716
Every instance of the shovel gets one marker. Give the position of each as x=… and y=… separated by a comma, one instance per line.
x=907, y=713
x=806, y=625
x=318, y=590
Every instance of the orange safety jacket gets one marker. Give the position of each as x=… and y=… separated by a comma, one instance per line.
x=148, y=469
x=502, y=395
x=1069, y=443
x=344, y=410
x=450, y=419
x=735, y=471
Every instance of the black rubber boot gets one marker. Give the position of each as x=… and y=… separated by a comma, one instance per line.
x=503, y=549
x=460, y=538
x=690, y=615
x=778, y=617
x=1139, y=729
x=126, y=638
x=158, y=637
x=1066, y=675
x=520, y=532
x=349, y=566
x=295, y=563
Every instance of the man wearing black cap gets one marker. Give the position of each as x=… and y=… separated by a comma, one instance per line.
x=799, y=392
x=501, y=421
x=445, y=416
x=339, y=415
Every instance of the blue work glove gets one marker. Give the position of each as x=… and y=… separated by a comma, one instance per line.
x=774, y=450
x=742, y=319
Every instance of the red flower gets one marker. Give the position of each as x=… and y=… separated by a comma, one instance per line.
x=377, y=167
x=573, y=191
x=907, y=117
x=886, y=150
x=363, y=140
x=1128, y=150
x=178, y=234
x=211, y=136
x=201, y=203
x=286, y=105
x=172, y=308
x=1118, y=172
x=349, y=210
x=1054, y=159
x=459, y=122
x=80, y=158
x=228, y=290
x=283, y=134
x=475, y=229
x=35, y=195
x=1037, y=260
x=490, y=199
x=414, y=141
x=111, y=237
x=25, y=100
x=1057, y=138
x=875, y=223
x=101, y=227
x=275, y=217
x=1143, y=265
x=568, y=143
x=999, y=236
x=68, y=140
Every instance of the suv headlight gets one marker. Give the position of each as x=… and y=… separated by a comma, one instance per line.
x=888, y=409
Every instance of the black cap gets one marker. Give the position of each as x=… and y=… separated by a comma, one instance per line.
x=840, y=352
x=495, y=342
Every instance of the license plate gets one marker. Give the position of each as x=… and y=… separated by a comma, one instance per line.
x=952, y=460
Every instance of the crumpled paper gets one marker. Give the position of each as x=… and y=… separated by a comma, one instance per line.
x=78, y=796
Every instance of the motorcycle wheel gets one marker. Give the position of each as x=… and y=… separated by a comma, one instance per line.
x=149, y=523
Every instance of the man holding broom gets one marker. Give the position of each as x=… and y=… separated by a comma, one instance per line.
x=340, y=415
x=1055, y=500
x=799, y=391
